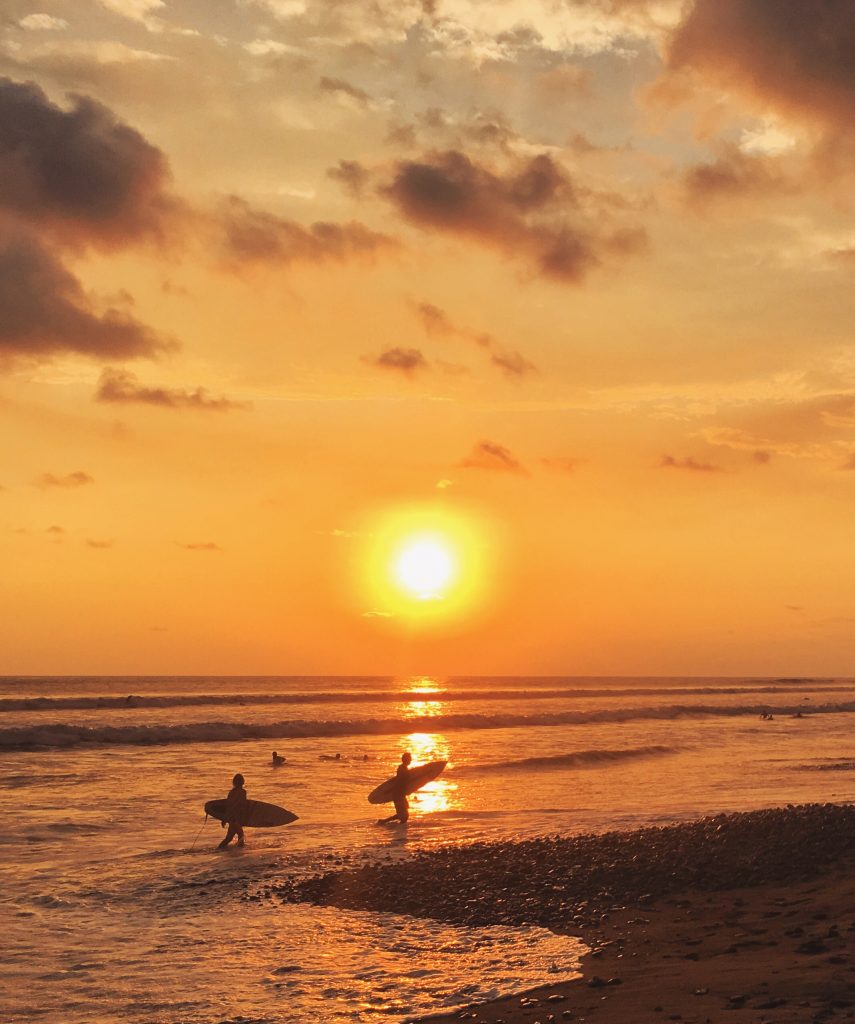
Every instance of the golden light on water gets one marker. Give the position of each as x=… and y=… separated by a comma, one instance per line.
x=441, y=794
x=422, y=708
x=424, y=563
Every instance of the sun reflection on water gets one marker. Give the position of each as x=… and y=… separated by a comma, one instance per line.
x=422, y=686
x=441, y=794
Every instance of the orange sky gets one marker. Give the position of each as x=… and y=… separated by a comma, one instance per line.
x=574, y=273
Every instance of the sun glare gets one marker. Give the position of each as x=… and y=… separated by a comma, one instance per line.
x=425, y=568
x=423, y=564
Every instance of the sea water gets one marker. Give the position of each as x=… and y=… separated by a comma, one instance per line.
x=117, y=905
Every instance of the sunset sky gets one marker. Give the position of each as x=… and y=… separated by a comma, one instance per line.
x=571, y=279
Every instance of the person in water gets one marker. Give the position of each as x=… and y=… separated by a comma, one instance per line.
x=402, y=806
x=235, y=812
x=277, y=759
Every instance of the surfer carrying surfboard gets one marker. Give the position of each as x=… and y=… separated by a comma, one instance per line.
x=236, y=807
x=402, y=805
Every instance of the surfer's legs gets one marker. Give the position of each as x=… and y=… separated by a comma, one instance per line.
x=402, y=809
x=234, y=830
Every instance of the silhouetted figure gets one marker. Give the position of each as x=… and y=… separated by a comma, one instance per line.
x=277, y=759
x=235, y=812
x=402, y=806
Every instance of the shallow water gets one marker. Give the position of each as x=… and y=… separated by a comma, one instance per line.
x=115, y=913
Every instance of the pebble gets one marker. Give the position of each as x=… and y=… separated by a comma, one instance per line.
x=570, y=884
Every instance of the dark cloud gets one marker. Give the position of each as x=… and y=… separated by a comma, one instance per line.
x=251, y=235
x=404, y=360
x=207, y=545
x=122, y=386
x=523, y=213
x=437, y=323
x=799, y=57
x=351, y=175
x=341, y=87
x=44, y=310
x=100, y=545
x=733, y=175
x=79, y=170
x=493, y=456
x=57, y=531
x=513, y=364
x=689, y=463
x=70, y=177
x=70, y=480
x=762, y=457
x=434, y=320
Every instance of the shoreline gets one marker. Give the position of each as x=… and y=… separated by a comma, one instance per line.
x=746, y=917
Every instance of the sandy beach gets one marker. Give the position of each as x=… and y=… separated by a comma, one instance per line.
x=743, y=917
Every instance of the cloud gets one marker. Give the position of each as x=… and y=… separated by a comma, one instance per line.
x=689, y=463
x=70, y=480
x=493, y=456
x=513, y=364
x=338, y=86
x=57, y=531
x=532, y=212
x=79, y=172
x=44, y=310
x=796, y=57
x=404, y=360
x=207, y=545
x=100, y=545
x=437, y=323
x=352, y=177
x=250, y=235
x=734, y=175
x=123, y=386
x=141, y=11
x=42, y=23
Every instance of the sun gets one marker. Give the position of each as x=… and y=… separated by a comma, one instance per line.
x=425, y=567
x=423, y=564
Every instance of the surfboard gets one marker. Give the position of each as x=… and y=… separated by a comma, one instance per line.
x=258, y=814
x=417, y=777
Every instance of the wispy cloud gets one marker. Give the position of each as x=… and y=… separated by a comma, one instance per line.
x=403, y=360
x=120, y=386
x=437, y=323
x=689, y=463
x=69, y=481
x=492, y=456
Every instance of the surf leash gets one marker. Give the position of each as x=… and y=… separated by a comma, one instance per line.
x=204, y=823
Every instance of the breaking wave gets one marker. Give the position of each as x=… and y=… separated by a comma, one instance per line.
x=64, y=735
x=576, y=759
x=134, y=701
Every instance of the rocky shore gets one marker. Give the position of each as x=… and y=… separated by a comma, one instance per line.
x=568, y=884
x=741, y=917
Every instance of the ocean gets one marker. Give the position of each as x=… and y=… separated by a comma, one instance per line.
x=117, y=905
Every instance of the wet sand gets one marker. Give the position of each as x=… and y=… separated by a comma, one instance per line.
x=744, y=917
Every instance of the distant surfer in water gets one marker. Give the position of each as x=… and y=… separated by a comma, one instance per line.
x=235, y=812
x=277, y=759
x=402, y=807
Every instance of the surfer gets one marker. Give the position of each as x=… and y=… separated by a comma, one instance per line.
x=277, y=759
x=235, y=812
x=402, y=807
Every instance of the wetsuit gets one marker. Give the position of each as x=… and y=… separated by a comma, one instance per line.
x=402, y=806
x=235, y=814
